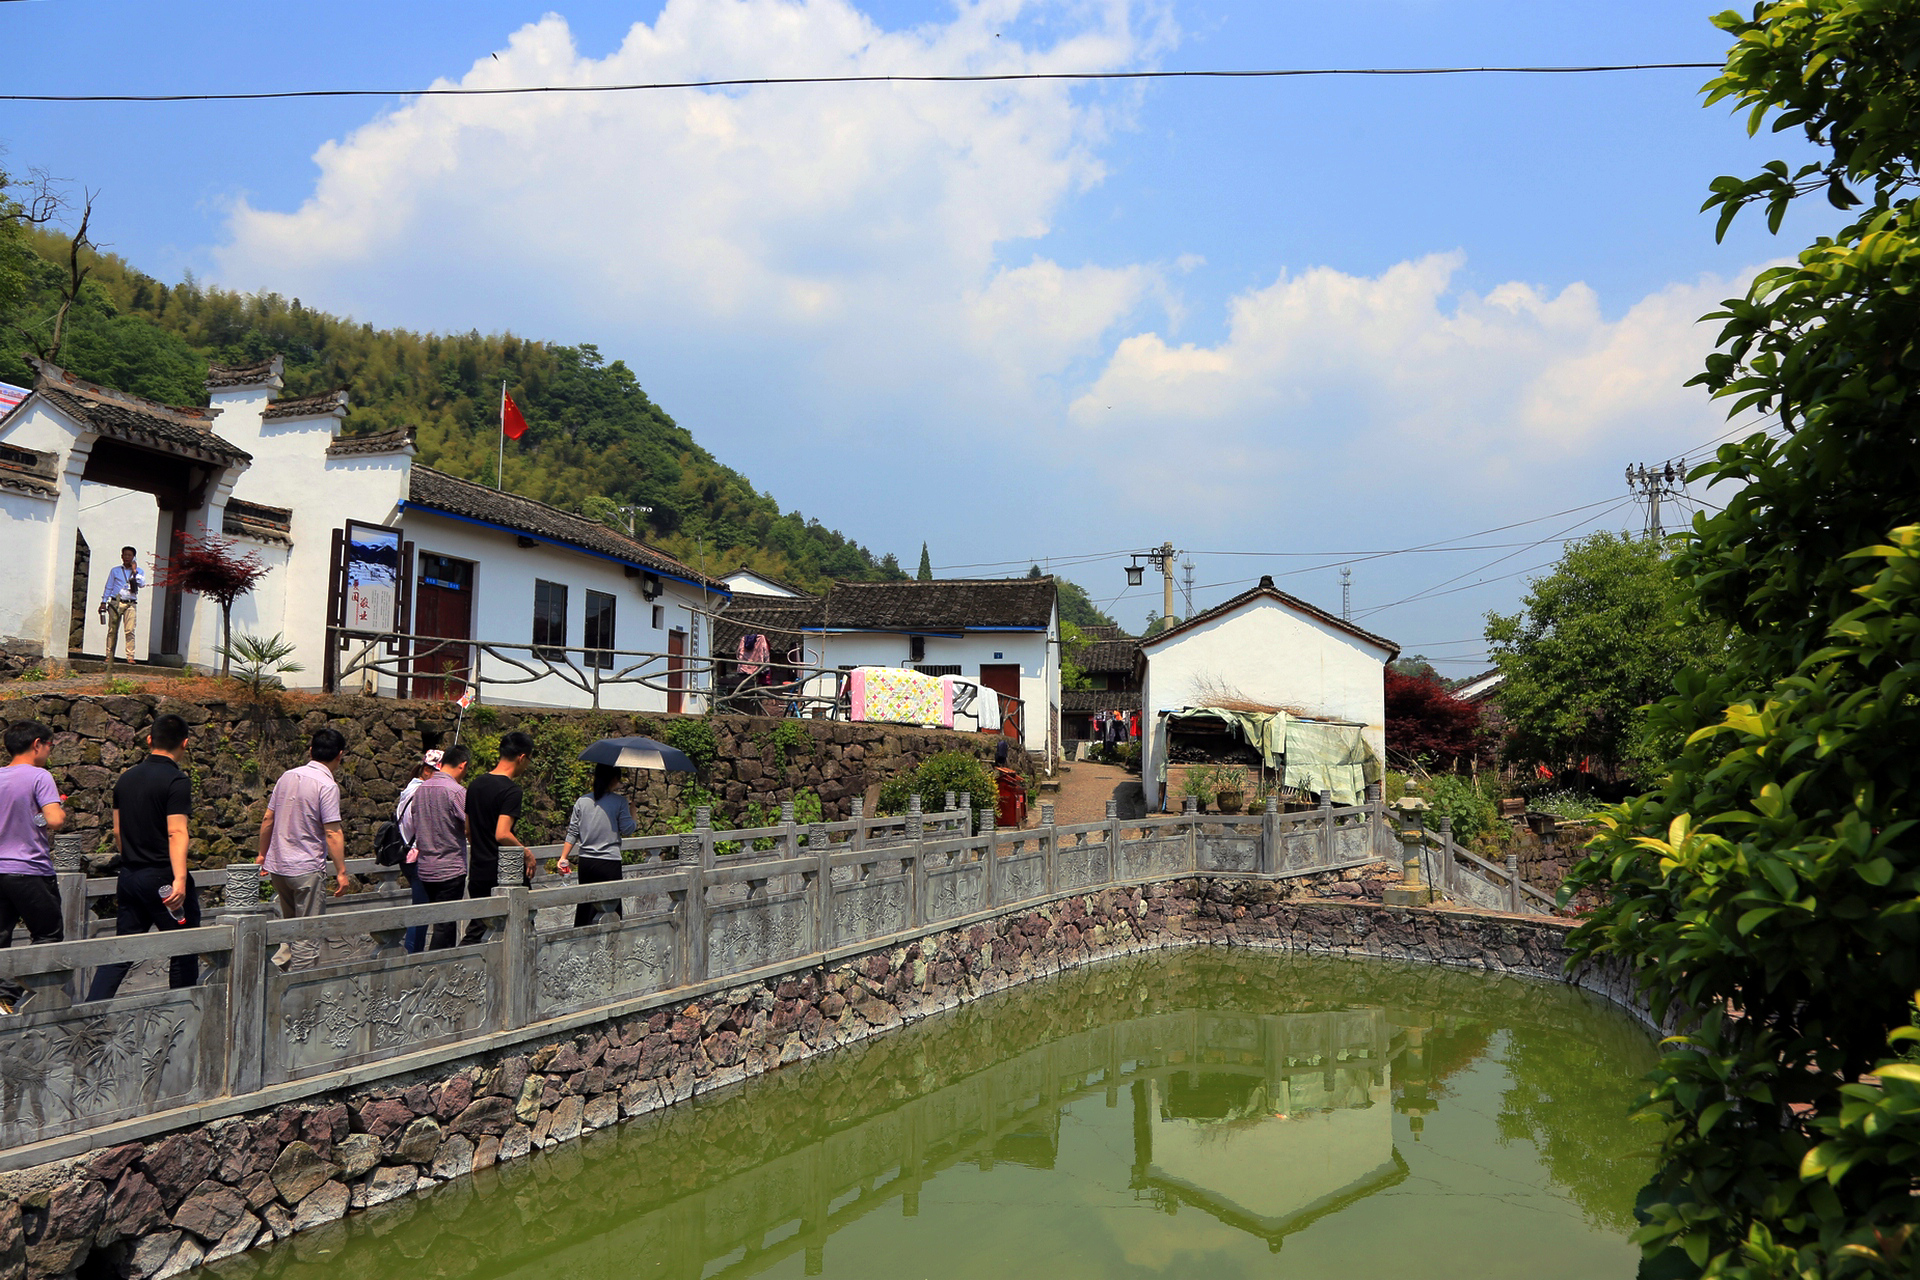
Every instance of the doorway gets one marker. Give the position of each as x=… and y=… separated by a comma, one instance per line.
x=442, y=610
x=676, y=672
x=1004, y=677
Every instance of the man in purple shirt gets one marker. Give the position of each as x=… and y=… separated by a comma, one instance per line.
x=30, y=812
x=299, y=834
x=439, y=822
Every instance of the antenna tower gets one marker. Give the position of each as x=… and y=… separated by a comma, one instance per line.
x=1346, y=593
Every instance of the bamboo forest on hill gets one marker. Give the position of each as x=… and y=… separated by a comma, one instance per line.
x=593, y=431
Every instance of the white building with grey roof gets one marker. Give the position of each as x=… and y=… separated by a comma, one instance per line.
x=543, y=606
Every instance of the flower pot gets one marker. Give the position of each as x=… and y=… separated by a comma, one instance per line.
x=1231, y=801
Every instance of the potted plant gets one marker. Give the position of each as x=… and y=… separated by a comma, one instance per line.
x=1230, y=786
x=1198, y=783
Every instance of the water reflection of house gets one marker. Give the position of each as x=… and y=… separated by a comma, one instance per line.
x=1299, y=1126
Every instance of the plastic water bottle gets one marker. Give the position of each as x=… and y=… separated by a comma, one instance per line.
x=178, y=913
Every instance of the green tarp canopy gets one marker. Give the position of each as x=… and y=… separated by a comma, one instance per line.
x=1313, y=755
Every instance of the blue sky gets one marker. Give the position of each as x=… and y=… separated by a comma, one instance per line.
x=1276, y=317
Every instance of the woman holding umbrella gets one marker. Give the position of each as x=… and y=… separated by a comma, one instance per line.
x=594, y=828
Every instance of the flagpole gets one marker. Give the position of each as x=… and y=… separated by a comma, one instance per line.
x=500, y=465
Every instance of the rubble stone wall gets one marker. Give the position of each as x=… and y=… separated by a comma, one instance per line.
x=156, y=1208
x=240, y=749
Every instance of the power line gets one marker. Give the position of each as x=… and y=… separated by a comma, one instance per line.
x=463, y=91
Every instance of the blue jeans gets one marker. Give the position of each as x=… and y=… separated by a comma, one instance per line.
x=416, y=940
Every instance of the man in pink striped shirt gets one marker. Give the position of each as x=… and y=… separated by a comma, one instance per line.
x=299, y=834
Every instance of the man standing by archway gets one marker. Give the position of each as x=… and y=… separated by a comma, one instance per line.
x=120, y=601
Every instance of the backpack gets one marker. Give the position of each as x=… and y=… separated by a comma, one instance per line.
x=389, y=846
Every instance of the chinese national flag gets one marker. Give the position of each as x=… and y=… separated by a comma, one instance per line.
x=512, y=424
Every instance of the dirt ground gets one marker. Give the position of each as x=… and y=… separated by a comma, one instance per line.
x=1084, y=791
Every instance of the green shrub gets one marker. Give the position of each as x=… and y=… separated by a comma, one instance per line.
x=694, y=736
x=785, y=741
x=1471, y=809
x=954, y=771
x=1198, y=782
x=1572, y=805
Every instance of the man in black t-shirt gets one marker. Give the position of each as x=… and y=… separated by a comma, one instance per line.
x=151, y=802
x=493, y=806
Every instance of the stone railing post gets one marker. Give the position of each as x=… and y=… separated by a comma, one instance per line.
x=1440, y=882
x=1376, y=816
x=693, y=914
x=517, y=955
x=1113, y=842
x=990, y=856
x=1513, y=883
x=1326, y=828
x=916, y=822
x=246, y=978
x=948, y=812
x=1189, y=805
x=820, y=847
x=790, y=837
x=70, y=875
x=858, y=814
x=966, y=813
x=1270, y=836
x=1049, y=847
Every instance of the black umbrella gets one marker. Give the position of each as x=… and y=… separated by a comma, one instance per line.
x=638, y=753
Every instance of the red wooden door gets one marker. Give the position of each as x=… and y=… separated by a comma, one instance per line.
x=676, y=672
x=1004, y=677
x=442, y=609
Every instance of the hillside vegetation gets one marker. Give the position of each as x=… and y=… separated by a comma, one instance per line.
x=593, y=431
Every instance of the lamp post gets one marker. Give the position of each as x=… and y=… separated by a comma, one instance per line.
x=1412, y=890
x=1162, y=558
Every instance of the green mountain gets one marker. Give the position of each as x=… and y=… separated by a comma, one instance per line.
x=593, y=431
x=595, y=439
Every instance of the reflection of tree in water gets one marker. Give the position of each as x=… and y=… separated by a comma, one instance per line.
x=1571, y=1095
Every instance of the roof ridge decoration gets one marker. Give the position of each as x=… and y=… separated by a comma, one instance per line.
x=1267, y=589
x=237, y=377
x=51, y=377
x=321, y=404
x=392, y=440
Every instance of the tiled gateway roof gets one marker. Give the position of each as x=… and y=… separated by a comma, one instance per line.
x=176, y=429
x=224, y=377
x=1083, y=701
x=431, y=490
x=948, y=604
x=318, y=406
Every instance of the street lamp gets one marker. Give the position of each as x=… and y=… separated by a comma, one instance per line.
x=1136, y=574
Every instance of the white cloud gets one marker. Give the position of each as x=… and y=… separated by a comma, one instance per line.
x=1468, y=387
x=867, y=218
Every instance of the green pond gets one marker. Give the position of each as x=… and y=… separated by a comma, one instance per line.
x=1200, y=1113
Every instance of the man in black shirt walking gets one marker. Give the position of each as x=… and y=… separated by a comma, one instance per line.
x=493, y=806
x=150, y=806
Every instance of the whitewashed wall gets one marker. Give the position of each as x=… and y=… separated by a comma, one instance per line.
x=112, y=518
x=503, y=577
x=1270, y=654
x=1038, y=659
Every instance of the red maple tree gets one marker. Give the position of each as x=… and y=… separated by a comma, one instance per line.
x=212, y=566
x=1427, y=724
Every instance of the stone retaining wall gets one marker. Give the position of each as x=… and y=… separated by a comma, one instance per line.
x=240, y=748
x=154, y=1209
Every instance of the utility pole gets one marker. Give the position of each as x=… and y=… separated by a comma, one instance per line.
x=1346, y=593
x=1649, y=485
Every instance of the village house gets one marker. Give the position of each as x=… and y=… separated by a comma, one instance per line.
x=745, y=581
x=999, y=634
x=86, y=469
x=1261, y=649
x=1107, y=657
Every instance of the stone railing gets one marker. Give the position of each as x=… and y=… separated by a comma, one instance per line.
x=695, y=912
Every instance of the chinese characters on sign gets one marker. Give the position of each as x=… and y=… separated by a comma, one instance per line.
x=373, y=577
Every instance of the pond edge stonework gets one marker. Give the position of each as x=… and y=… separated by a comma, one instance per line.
x=157, y=1208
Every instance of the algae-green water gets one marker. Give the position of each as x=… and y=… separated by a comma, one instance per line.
x=1201, y=1113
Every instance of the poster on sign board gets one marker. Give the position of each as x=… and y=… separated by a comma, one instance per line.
x=373, y=577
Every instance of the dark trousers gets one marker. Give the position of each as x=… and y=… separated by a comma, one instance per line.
x=443, y=891
x=35, y=902
x=138, y=893
x=596, y=871
x=416, y=940
x=483, y=873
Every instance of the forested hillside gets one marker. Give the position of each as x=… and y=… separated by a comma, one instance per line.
x=593, y=431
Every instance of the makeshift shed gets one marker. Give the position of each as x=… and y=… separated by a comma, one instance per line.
x=1308, y=755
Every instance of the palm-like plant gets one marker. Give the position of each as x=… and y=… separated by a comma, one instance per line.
x=262, y=660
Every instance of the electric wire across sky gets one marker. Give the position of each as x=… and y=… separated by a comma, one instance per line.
x=750, y=82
